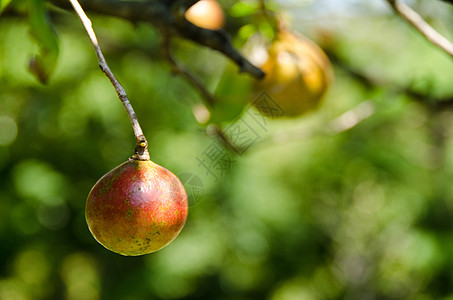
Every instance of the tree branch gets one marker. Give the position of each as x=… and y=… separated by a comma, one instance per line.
x=179, y=69
x=141, y=148
x=167, y=16
x=372, y=81
x=413, y=18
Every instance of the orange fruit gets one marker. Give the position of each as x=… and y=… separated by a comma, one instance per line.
x=298, y=74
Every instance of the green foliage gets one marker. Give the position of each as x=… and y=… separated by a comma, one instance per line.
x=328, y=206
x=244, y=8
x=43, y=64
x=232, y=95
x=3, y=5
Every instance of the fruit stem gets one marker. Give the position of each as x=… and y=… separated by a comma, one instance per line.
x=141, y=150
x=141, y=147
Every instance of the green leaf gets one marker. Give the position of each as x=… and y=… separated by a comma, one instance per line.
x=43, y=64
x=246, y=31
x=232, y=95
x=4, y=4
x=242, y=9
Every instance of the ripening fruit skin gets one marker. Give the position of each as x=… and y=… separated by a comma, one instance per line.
x=137, y=208
x=298, y=74
x=207, y=14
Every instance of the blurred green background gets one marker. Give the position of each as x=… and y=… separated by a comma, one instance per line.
x=353, y=201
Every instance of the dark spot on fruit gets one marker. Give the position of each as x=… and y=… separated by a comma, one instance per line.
x=129, y=213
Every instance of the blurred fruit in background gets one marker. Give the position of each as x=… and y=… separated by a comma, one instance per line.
x=207, y=14
x=298, y=74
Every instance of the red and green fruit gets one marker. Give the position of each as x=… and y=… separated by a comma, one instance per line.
x=137, y=208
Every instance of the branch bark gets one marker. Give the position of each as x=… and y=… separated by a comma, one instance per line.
x=141, y=148
x=413, y=18
x=167, y=16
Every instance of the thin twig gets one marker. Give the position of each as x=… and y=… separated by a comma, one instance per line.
x=141, y=149
x=371, y=81
x=345, y=122
x=181, y=70
x=413, y=18
x=208, y=97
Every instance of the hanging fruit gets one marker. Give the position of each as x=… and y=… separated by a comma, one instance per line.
x=298, y=74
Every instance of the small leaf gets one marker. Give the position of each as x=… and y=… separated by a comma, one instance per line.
x=246, y=31
x=43, y=64
x=268, y=30
x=232, y=95
x=4, y=4
x=242, y=9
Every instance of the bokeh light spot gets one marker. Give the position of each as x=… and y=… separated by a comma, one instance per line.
x=38, y=180
x=80, y=276
x=32, y=266
x=8, y=130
